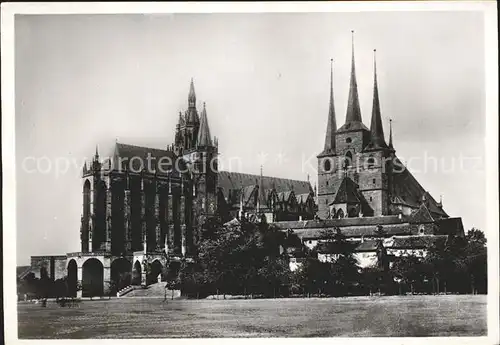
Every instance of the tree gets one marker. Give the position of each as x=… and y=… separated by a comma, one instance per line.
x=409, y=270
x=476, y=261
x=342, y=272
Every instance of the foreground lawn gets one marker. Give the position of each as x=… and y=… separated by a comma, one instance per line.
x=330, y=317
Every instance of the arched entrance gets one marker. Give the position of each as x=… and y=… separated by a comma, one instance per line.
x=72, y=278
x=121, y=274
x=156, y=269
x=92, y=278
x=136, y=273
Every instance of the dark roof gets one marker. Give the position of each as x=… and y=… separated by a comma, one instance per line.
x=204, y=138
x=451, y=226
x=421, y=215
x=347, y=192
x=415, y=242
x=410, y=192
x=22, y=271
x=133, y=157
x=352, y=126
x=356, y=231
x=367, y=246
x=341, y=222
x=233, y=180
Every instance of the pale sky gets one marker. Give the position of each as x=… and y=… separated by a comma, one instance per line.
x=83, y=80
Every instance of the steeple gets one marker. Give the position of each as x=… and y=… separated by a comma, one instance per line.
x=353, y=110
x=376, y=129
x=390, y=135
x=332, y=123
x=204, y=138
x=192, y=95
x=353, y=119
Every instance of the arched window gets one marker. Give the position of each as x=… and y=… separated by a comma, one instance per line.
x=340, y=214
x=348, y=159
x=370, y=163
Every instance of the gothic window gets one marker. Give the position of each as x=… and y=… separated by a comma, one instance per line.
x=348, y=159
x=340, y=214
x=370, y=163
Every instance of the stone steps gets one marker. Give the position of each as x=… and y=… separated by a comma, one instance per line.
x=153, y=290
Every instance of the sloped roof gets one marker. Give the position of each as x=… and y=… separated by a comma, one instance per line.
x=422, y=215
x=352, y=126
x=341, y=222
x=347, y=192
x=416, y=242
x=367, y=246
x=451, y=226
x=233, y=180
x=284, y=196
x=22, y=271
x=355, y=231
x=410, y=192
x=134, y=158
x=302, y=198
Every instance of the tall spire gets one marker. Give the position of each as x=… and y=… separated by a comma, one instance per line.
x=376, y=129
x=192, y=95
x=353, y=109
x=332, y=123
x=204, y=138
x=390, y=134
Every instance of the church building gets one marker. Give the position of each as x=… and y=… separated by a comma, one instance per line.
x=142, y=209
x=362, y=185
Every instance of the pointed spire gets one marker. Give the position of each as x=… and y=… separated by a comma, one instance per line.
x=96, y=152
x=390, y=134
x=192, y=95
x=353, y=108
x=332, y=123
x=376, y=128
x=204, y=138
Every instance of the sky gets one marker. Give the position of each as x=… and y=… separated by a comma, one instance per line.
x=87, y=80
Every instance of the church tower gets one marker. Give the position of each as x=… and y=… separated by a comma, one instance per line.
x=188, y=125
x=374, y=176
x=327, y=158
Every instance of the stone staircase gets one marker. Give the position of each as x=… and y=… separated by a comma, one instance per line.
x=154, y=290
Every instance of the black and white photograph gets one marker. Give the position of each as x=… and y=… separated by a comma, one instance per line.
x=250, y=170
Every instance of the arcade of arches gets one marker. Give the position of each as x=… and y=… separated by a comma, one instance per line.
x=100, y=275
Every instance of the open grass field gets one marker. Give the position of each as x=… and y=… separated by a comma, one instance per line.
x=315, y=317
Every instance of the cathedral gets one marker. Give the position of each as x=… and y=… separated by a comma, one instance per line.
x=142, y=209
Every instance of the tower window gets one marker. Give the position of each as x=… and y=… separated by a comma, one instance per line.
x=327, y=165
x=327, y=183
x=374, y=181
x=348, y=140
x=371, y=199
x=370, y=163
